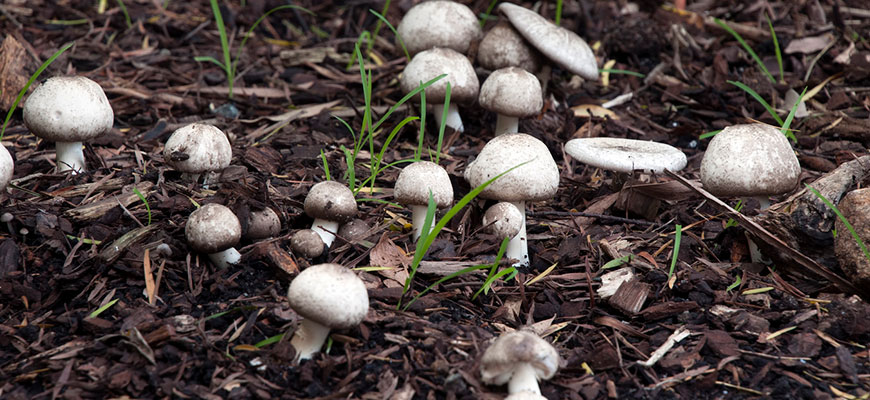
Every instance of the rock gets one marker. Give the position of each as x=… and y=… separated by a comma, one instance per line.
x=855, y=206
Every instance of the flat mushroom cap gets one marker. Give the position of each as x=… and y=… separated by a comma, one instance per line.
x=503, y=219
x=198, y=148
x=513, y=92
x=439, y=24
x=417, y=179
x=329, y=294
x=429, y=64
x=7, y=166
x=68, y=109
x=749, y=160
x=626, y=155
x=502, y=46
x=559, y=44
x=212, y=228
x=307, y=243
x=502, y=356
x=331, y=201
x=534, y=181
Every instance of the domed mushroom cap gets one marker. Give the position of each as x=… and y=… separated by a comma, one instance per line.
x=502, y=46
x=198, y=148
x=330, y=295
x=331, y=201
x=559, y=44
x=7, y=166
x=749, y=160
x=68, y=109
x=353, y=230
x=626, y=155
x=510, y=349
x=307, y=243
x=263, y=224
x=439, y=24
x=429, y=64
x=534, y=181
x=503, y=220
x=513, y=92
x=417, y=179
x=212, y=228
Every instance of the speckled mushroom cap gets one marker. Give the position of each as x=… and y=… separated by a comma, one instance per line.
x=502, y=46
x=559, y=44
x=417, y=179
x=534, y=181
x=307, y=243
x=263, y=224
x=439, y=24
x=749, y=160
x=331, y=201
x=212, y=228
x=329, y=294
x=7, y=166
x=68, y=109
x=512, y=348
x=513, y=92
x=626, y=155
x=198, y=148
x=503, y=219
x=429, y=64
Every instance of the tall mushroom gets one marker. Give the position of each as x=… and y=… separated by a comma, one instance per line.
x=512, y=93
x=464, y=86
x=439, y=23
x=520, y=359
x=413, y=186
x=214, y=229
x=330, y=204
x=68, y=110
x=536, y=180
x=197, y=149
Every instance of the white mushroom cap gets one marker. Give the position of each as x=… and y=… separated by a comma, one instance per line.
x=511, y=353
x=429, y=64
x=513, y=92
x=329, y=294
x=626, y=155
x=749, y=160
x=68, y=109
x=307, y=243
x=263, y=224
x=535, y=181
x=198, y=148
x=7, y=166
x=503, y=46
x=212, y=228
x=559, y=44
x=331, y=201
x=417, y=179
x=439, y=24
x=503, y=220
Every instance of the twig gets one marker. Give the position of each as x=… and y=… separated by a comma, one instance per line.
x=591, y=215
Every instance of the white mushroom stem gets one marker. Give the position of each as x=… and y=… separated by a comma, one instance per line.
x=70, y=156
x=326, y=229
x=309, y=338
x=524, y=379
x=763, y=201
x=224, y=259
x=453, y=119
x=418, y=218
x=506, y=124
x=518, y=248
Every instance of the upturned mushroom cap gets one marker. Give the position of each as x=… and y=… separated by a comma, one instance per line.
x=263, y=224
x=503, y=220
x=307, y=243
x=329, y=294
x=198, y=148
x=502, y=46
x=513, y=92
x=7, y=166
x=331, y=201
x=559, y=44
x=749, y=160
x=439, y=24
x=510, y=349
x=429, y=64
x=417, y=179
x=68, y=109
x=626, y=155
x=534, y=181
x=212, y=228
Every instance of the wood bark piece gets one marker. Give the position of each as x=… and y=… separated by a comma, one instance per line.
x=110, y=253
x=630, y=296
x=97, y=209
x=13, y=77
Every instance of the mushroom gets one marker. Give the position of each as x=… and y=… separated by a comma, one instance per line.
x=503, y=220
x=520, y=359
x=327, y=296
x=626, y=155
x=464, y=86
x=445, y=24
x=330, y=204
x=68, y=110
x=214, y=229
x=512, y=93
x=307, y=243
x=415, y=183
x=196, y=149
x=536, y=180
x=354, y=230
x=7, y=167
x=503, y=46
x=262, y=224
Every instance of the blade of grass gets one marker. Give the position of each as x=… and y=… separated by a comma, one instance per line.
x=791, y=113
x=225, y=45
x=398, y=37
x=145, y=201
x=677, y=236
x=126, y=14
x=842, y=218
x=100, y=310
x=746, y=47
x=443, y=124
x=776, y=49
x=325, y=165
x=759, y=99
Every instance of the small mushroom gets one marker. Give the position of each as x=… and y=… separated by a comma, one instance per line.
x=354, y=230
x=464, y=86
x=330, y=204
x=438, y=23
x=512, y=93
x=214, y=229
x=503, y=47
x=68, y=110
x=196, y=149
x=263, y=224
x=327, y=296
x=413, y=186
x=307, y=243
x=7, y=167
x=503, y=220
x=520, y=359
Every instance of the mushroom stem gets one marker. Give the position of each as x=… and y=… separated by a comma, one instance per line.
x=70, y=156
x=224, y=259
x=517, y=248
x=190, y=177
x=453, y=119
x=308, y=339
x=326, y=229
x=763, y=201
x=418, y=218
x=506, y=124
x=524, y=379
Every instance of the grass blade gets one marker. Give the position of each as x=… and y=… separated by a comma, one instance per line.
x=746, y=47
x=776, y=49
x=791, y=113
x=759, y=99
x=842, y=218
x=225, y=45
x=389, y=25
x=677, y=237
